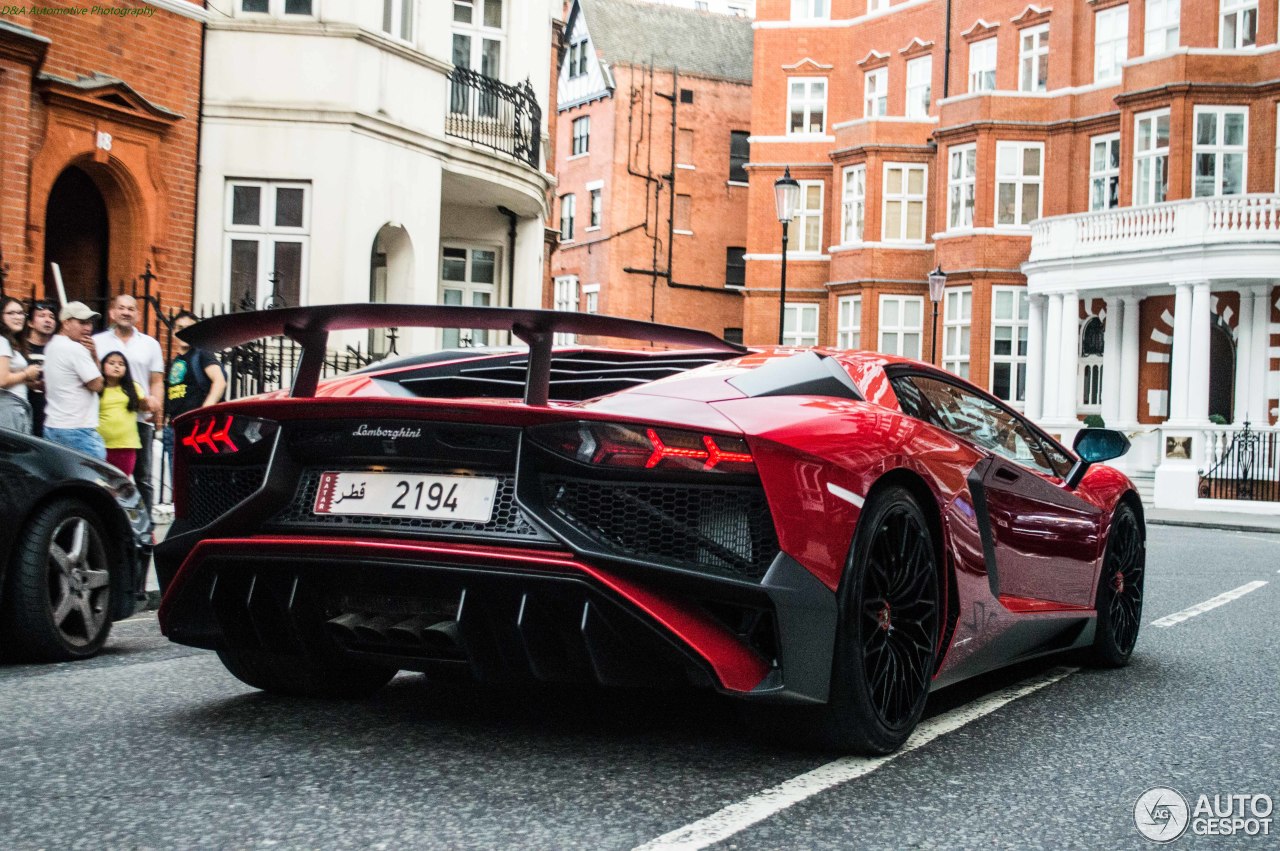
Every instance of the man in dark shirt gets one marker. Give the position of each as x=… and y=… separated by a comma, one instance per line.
x=41, y=324
x=195, y=380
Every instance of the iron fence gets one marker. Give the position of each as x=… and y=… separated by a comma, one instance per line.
x=1247, y=469
x=494, y=114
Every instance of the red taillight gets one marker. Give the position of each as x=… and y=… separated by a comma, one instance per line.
x=632, y=447
x=210, y=434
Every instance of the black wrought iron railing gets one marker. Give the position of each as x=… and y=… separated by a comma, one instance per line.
x=494, y=114
x=1245, y=468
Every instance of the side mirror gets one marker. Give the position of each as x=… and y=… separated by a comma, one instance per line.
x=1095, y=445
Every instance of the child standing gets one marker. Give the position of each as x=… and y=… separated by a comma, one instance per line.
x=117, y=413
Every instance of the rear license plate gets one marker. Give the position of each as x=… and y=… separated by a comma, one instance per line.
x=464, y=498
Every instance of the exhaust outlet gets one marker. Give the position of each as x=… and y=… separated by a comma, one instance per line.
x=343, y=626
x=441, y=636
x=410, y=631
x=374, y=628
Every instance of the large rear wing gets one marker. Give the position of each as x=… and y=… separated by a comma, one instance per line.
x=310, y=327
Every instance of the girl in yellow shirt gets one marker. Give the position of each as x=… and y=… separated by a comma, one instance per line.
x=117, y=413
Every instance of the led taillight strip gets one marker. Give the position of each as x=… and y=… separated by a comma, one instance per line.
x=203, y=433
x=712, y=455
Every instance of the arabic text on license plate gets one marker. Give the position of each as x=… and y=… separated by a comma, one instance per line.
x=464, y=498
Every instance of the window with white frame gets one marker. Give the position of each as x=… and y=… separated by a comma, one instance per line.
x=591, y=298
x=800, y=325
x=566, y=299
x=596, y=193
x=905, y=192
x=1089, y=371
x=1151, y=157
x=397, y=18
x=468, y=277
x=806, y=105
x=1009, y=308
x=1163, y=26
x=876, y=85
x=1238, y=24
x=957, y=316
x=919, y=86
x=806, y=224
x=877, y=5
x=901, y=318
x=478, y=37
x=1104, y=172
x=1110, y=43
x=1019, y=179
x=810, y=10
x=849, y=322
x=276, y=7
x=267, y=231
x=1219, y=153
x=1033, y=59
x=853, y=204
x=962, y=176
x=577, y=59
x=581, y=136
x=982, y=65
x=568, y=211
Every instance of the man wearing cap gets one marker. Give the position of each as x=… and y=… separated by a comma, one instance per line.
x=72, y=383
x=146, y=364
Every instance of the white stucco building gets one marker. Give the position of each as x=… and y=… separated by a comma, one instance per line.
x=358, y=150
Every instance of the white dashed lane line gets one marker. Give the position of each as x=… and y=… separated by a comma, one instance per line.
x=1209, y=605
x=737, y=817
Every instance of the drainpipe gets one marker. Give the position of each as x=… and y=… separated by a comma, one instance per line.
x=511, y=255
x=195, y=207
x=946, y=57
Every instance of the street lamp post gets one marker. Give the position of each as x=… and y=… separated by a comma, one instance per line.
x=937, y=283
x=786, y=195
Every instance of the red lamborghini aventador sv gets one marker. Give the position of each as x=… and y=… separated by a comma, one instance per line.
x=826, y=535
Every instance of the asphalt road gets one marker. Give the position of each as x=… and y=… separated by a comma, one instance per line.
x=155, y=746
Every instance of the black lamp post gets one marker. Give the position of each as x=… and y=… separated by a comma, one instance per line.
x=786, y=194
x=937, y=283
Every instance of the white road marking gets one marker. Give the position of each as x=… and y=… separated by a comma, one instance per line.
x=1207, y=605
x=737, y=817
x=845, y=494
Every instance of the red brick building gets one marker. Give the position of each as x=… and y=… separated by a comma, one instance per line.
x=1097, y=179
x=99, y=125
x=654, y=115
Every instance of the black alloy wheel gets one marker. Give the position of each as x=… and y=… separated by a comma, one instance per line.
x=1119, y=598
x=57, y=602
x=886, y=641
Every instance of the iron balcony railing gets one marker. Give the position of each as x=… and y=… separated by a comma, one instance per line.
x=496, y=115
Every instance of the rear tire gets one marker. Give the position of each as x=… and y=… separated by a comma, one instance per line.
x=304, y=677
x=57, y=606
x=886, y=640
x=1120, y=589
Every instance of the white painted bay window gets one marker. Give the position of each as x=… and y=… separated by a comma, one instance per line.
x=1219, y=152
x=962, y=174
x=277, y=7
x=957, y=317
x=806, y=105
x=1104, y=172
x=1151, y=157
x=905, y=195
x=1019, y=178
x=849, y=322
x=468, y=276
x=901, y=325
x=1009, y=309
x=1237, y=24
x=982, y=65
x=478, y=38
x=397, y=18
x=853, y=204
x=267, y=239
x=810, y=10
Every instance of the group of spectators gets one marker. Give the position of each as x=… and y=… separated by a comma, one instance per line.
x=100, y=394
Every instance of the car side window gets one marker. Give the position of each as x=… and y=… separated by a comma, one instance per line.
x=973, y=418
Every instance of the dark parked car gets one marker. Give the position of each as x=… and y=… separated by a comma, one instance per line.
x=74, y=548
x=825, y=535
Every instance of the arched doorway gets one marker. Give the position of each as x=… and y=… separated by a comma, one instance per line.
x=1222, y=370
x=1089, y=381
x=77, y=238
x=390, y=277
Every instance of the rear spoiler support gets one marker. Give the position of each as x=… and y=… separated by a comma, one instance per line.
x=309, y=327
